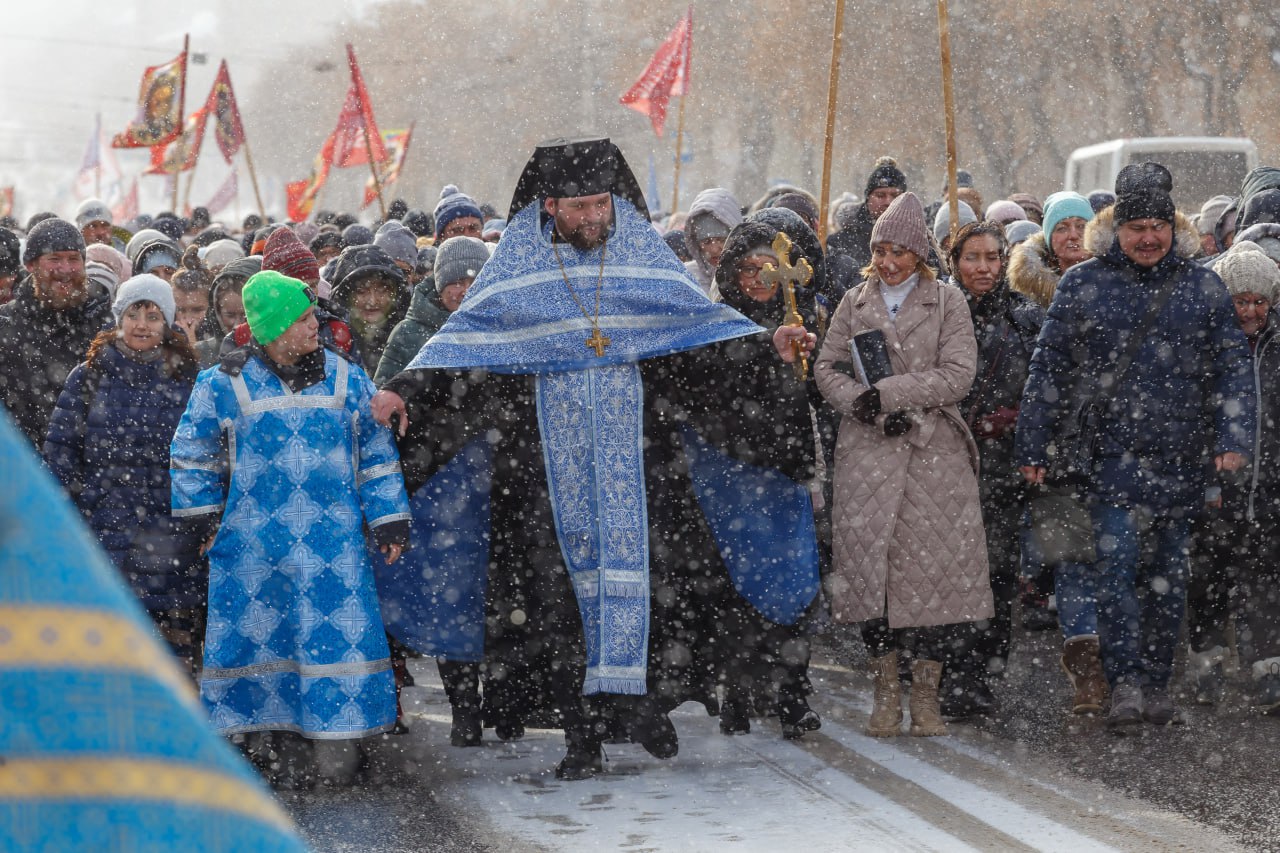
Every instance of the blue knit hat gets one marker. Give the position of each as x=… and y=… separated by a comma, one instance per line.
x=1064, y=205
x=453, y=205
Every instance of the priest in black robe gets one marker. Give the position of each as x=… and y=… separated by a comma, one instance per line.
x=546, y=436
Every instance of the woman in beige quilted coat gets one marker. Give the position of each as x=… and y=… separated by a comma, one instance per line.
x=910, y=556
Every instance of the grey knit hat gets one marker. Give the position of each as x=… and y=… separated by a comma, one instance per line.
x=942, y=220
x=398, y=242
x=92, y=210
x=1245, y=268
x=145, y=288
x=903, y=225
x=459, y=258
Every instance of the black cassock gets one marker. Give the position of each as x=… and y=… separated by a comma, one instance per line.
x=737, y=396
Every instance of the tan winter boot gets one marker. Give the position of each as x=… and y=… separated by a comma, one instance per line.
x=926, y=717
x=886, y=716
x=1082, y=662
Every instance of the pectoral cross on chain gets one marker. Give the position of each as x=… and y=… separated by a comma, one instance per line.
x=598, y=342
x=790, y=276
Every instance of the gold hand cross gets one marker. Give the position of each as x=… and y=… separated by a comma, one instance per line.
x=790, y=275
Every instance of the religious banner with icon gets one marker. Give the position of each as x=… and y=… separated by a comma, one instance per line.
x=180, y=155
x=221, y=106
x=397, y=145
x=160, y=99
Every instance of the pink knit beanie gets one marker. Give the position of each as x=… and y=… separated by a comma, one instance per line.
x=903, y=225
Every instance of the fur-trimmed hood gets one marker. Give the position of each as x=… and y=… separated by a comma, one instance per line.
x=1030, y=271
x=1100, y=234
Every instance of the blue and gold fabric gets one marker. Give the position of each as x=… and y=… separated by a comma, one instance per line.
x=294, y=639
x=103, y=743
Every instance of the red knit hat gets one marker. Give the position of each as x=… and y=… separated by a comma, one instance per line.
x=285, y=253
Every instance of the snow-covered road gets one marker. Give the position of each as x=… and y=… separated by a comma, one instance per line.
x=834, y=790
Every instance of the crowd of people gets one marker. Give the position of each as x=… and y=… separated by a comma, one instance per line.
x=315, y=449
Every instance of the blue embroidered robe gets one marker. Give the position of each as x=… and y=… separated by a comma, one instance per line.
x=295, y=638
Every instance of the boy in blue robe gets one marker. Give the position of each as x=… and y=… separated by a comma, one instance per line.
x=278, y=453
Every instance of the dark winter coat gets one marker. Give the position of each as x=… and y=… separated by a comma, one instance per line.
x=426, y=315
x=1255, y=493
x=1006, y=325
x=1187, y=396
x=731, y=376
x=855, y=240
x=39, y=348
x=108, y=443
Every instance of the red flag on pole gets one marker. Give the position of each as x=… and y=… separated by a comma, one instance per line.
x=356, y=136
x=666, y=74
x=221, y=107
x=160, y=103
x=300, y=196
x=397, y=145
x=180, y=155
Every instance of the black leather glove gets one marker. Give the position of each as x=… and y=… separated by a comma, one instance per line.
x=867, y=407
x=896, y=424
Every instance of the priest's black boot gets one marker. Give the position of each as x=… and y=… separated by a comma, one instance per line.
x=462, y=686
x=652, y=728
x=583, y=758
x=735, y=711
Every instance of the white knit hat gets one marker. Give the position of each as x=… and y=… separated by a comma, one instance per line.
x=1245, y=268
x=145, y=288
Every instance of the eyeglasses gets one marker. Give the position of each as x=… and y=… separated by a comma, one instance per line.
x=750, y=271
x=462, y=229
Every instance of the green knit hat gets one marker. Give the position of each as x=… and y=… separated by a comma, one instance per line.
x=273, y=302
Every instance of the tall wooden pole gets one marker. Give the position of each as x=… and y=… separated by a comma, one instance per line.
x=373, y=169
x=182, y=111
x=949, y=106
x=253, y=178
x=833, y=81
x=97, y=169
x=191, y=179
x=675, y=190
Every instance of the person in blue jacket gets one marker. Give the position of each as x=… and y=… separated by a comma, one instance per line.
x=279, y=461
x=108, y=443
x=1184, y=407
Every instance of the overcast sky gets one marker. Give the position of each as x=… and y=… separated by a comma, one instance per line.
x=65, y=60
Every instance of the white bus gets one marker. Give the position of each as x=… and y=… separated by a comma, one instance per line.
x=1202, y=166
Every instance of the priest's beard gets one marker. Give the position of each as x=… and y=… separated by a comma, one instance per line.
x=585, y=236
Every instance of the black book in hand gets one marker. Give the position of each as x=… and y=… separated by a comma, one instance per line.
x=871, y=357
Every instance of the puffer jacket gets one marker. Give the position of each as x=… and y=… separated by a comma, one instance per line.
x=108, y=444
x=1006, y=325
x=907, y=531
x=426, y=316
x=1187, y=396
